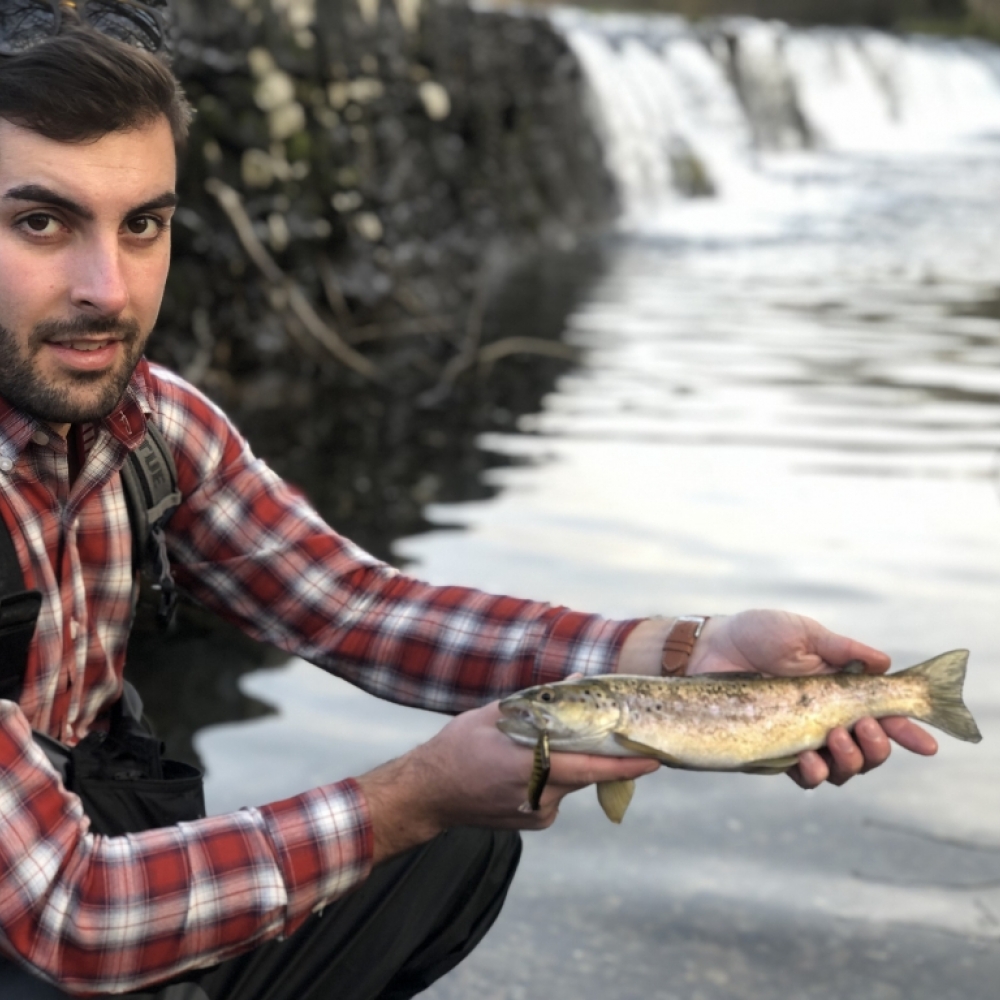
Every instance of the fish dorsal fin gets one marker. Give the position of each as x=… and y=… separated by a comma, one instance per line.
x=643, y=750
x=853, y=667
x=614, y=797
x=776, y=765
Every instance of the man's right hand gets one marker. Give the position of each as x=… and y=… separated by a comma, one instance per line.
x=471, y=774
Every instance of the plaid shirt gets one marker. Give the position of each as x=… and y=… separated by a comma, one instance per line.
x=101, y=914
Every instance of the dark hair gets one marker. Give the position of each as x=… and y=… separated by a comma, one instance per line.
x=80, y=85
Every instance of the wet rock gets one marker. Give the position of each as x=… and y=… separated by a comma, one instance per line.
x=393, y=159
x=362, y=182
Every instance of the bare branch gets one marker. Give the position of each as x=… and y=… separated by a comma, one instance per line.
x=297, y=301
x=526, y=345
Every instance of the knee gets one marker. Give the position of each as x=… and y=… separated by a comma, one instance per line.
x=481, y=851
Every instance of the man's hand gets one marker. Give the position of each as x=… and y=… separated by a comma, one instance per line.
x=471, y=774
x=780, y=644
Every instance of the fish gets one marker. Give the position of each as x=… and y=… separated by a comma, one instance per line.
x=723, y=722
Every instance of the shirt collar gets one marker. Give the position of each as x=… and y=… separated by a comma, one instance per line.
x=126, y=422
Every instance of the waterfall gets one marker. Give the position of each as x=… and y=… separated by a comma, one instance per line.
x=690, y=110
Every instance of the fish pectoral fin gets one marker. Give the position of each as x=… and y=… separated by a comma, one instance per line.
x=643, y=750
x=614, y=797
x=776, y=765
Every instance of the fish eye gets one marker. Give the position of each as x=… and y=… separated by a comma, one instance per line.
x=545, y=696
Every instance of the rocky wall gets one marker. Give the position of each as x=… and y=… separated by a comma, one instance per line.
x=361, y=179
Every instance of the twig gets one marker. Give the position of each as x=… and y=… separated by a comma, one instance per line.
x=334, y=296
x=402, y=328
x=863, y=876
x=298, y=303
x=906, y=831
x=467, y=353
x=205, y=345
x=492, y=353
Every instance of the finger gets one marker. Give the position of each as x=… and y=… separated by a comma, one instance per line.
x=578, y=770
x=909, y=735
x=873, y=743
x=846, y=758
x=811, y=771
x=839, y=650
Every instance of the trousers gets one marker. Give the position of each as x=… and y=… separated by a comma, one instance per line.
x=414, y=919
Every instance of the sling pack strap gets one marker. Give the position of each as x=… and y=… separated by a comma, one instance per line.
x=18, y=614
x=149, y=478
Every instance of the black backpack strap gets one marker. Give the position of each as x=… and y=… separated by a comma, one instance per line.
x=18, y=617
x=149, y=476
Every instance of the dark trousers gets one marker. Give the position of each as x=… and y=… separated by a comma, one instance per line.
x=413, y=920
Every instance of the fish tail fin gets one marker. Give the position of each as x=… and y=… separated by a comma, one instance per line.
x=945, y=675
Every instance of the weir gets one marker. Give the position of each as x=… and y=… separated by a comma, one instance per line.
x=688, y=109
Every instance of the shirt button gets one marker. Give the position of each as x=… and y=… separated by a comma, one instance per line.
x=40, y=437
x=6, y=464
x=74, y=628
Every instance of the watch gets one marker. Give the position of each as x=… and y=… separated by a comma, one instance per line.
x=679, y=643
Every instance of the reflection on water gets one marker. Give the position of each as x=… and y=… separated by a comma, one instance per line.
x=370, y=465
x=790, y=399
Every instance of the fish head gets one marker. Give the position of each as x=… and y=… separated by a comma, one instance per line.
x=577, y=715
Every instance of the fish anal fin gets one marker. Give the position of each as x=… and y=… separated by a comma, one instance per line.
x=644, y=750
x=615, y=797
x=776, y=765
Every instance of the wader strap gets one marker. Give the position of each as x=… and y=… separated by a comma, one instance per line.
x=18, y=616
x=150, y=480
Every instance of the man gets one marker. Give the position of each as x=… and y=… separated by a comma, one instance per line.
x=368, y=887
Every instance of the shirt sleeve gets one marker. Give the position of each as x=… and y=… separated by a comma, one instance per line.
x=249, y=546
x=97, y=914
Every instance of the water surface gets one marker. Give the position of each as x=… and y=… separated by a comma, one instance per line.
x=789, y=396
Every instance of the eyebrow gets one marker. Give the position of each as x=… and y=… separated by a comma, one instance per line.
x=40, y=194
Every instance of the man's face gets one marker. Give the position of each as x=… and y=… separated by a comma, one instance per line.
x=84, y=254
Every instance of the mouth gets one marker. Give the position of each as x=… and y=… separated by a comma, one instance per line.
x=86, y=354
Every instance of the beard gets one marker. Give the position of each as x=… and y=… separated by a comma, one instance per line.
x=75, y=397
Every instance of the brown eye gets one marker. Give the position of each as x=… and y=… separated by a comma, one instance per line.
x=38, y=223
x=145, y=227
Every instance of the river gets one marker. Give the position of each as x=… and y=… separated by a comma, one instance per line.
x=789, y=396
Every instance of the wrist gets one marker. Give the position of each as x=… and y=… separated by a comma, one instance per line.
x=400, y=806
x=656, y=639
x=679, y=643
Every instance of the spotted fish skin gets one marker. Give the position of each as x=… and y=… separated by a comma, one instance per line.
x=734, y=722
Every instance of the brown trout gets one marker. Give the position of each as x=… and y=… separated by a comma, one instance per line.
x=723, y=722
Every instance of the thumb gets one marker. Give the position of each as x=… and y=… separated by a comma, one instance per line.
x=839, y=650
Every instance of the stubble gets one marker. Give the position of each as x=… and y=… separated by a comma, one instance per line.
x=73, y=397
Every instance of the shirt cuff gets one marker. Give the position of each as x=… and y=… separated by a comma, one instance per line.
x=580, y=643
x=323, y=843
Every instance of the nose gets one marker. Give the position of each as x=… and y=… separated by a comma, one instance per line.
x=100, y=285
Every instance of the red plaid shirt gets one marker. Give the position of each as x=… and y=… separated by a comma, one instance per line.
x=103, y=914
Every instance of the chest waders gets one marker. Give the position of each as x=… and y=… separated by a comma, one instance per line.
x=411, y=921
x=124, y=782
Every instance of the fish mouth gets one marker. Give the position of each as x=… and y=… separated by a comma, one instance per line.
x=521, y=720
x=520, y=731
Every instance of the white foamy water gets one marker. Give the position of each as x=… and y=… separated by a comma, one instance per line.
x=790, y=397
